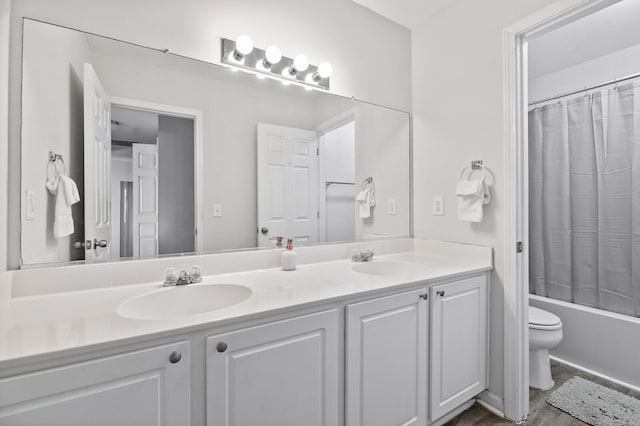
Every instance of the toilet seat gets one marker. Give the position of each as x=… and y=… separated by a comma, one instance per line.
x=542, y=320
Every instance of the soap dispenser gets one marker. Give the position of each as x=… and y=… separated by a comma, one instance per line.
x=288, y=258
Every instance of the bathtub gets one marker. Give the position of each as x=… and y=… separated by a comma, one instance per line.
x=604, y=343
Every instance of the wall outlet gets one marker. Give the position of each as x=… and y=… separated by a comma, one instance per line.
x=438, y=205
x=217, y=210
x=30, y=205
x=391, y=206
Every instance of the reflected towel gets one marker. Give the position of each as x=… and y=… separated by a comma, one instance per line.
x=364, y=200
x=472, y=196
x=66, y=192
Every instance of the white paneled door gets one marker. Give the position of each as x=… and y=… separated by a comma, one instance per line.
x=458, y=342
x=386, y=361
x=287, y=184
x=143, y=388
x=284, y=373
x=145, y=200
x=97, y=167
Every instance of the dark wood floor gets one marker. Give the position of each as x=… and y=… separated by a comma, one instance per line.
x=540, y=413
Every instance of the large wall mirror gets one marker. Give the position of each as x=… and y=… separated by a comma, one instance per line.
x=130, y=152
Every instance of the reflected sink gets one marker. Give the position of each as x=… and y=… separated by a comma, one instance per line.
x=384, y=267
x=181, y=301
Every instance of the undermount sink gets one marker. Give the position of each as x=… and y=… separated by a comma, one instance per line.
x=384, y=267
x=183, y=301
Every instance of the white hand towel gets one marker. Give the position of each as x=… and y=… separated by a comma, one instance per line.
x=364, y=204
x=472, y=195
x=66, y=192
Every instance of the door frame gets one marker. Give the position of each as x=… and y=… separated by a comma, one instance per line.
x=197, y=117
x=516, y=288
x=321, y=129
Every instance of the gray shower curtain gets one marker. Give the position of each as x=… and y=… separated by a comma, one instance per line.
x=584, y=200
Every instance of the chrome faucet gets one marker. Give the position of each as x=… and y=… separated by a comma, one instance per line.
x=183, y=278
x=362, y=255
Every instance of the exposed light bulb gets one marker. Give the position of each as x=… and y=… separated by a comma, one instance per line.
x=244, y=46
x=300, y=63
x=272, y=55
x=325, y=69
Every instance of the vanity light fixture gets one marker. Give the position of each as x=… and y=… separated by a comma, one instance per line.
x=241, y=55
x=243, y=47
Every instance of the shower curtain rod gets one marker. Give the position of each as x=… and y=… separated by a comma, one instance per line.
x=586, y=89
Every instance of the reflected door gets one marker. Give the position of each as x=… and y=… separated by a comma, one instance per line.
x=97, y=167
x=145, y=200
x=287, y=184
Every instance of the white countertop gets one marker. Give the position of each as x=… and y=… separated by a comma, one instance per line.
x=34, y=328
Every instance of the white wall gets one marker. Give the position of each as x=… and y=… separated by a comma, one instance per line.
x=596, y=71
x=339, y=31
x=5, y=13
x=52, y=121
x=458, y=117
x=176, y=185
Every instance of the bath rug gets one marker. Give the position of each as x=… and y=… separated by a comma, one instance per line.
x=595, y=404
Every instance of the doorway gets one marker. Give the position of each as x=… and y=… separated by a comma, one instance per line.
x=516, y=72
x=338, y=187
x=152, y=163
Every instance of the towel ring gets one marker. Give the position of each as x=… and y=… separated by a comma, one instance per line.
x=484, y=176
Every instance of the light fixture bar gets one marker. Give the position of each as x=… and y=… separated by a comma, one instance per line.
x=254, y=62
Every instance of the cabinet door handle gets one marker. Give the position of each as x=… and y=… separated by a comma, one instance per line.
x=221, y=347
x=175, y=357
x=440, y=293
x=424, y=296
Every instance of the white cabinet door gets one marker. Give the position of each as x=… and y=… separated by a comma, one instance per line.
x=137, y=388
x=458, y=343
x=279, y=374
x=386, y=361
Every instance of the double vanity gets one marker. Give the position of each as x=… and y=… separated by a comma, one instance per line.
x=399, y=340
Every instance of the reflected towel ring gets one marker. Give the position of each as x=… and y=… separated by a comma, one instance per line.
x=57, y=160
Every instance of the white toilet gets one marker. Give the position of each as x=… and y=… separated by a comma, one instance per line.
x=545, y=332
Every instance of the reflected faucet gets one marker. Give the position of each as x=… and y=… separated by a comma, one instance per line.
x=362, y=255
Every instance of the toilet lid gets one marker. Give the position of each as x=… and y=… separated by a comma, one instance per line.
x=541, y=317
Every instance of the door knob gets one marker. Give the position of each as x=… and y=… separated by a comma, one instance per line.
x=101, y=243
x=440, y=293
x=221, y=347
x=264, y=230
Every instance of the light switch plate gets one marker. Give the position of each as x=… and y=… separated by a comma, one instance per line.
x=438, y=205
x=391, y=206
x=217, y=210
x=30, y=204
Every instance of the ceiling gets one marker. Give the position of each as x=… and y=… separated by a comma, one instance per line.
x=606, y=31
x=134, y=126
x=408, y=13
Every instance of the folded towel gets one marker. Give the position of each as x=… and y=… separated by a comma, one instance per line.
x=472, y=195
x=66, y=192
x=364, y=204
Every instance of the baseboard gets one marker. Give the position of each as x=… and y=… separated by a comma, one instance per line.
x=451, y=414
x=491, y=402
x=595, y=373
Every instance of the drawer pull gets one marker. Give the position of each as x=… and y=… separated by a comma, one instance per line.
x=221, y=347
x=424, y=296
x=440, y=293
x=175, y=357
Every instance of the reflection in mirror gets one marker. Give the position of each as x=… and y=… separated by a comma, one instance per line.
x=172, y=155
